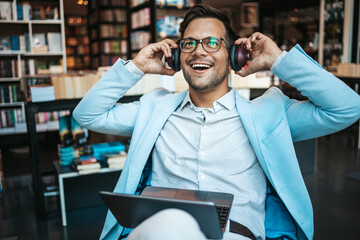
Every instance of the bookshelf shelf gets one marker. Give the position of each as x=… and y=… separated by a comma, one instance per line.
x=45, y=22
x=142, y=28
x=140, y=6
x=12, y=105
x=109, y=38
x=10, y=131
x=109, y=22
x=13, y=22
x=10, y=53
x=30, y=21
x=166, y=7
x=111, y=7
x=10, y=79
x=45, y=54
x=29, y=54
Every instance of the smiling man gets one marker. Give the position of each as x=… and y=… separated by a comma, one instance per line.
x=210, y=138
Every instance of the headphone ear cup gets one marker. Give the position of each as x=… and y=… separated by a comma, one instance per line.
x=174, y=61
x=238, y=57
x=233, y=61
x=175, y=56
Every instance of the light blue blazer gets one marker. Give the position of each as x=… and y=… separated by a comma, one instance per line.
x=272, y=122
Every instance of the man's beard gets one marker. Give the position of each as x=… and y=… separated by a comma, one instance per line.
x=215, y=80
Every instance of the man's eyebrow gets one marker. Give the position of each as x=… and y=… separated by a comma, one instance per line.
x=196, y=38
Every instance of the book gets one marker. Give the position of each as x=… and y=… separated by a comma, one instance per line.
x=65, y=131
x=15, y=43
x=11, y=99
x=37, y=12
x=89, y=171
x=6, y=68
x=22, y=43
x=35, y=81
x=5, y=43
x=39, y=43
x=2, y=94
x=79, y=133
x=5, y=10
x=19, y=12
x=100, y=149
x=30, y=67
x=66, y=155
x=116, y=160
x=4, y=121
x=54, y=42
x=87, y=164
x=42, y=93
x=85, y=150
x=6, y=93
x=51, y=12
x=26, y=11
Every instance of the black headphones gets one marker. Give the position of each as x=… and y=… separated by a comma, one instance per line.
x=238, y=58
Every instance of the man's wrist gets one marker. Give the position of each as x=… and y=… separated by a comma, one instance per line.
x=131, y=67
x=278, y=60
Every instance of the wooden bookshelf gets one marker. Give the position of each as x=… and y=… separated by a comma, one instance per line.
x=108, y=31
x=142, y=24
x=31, y=40
x=153, y=21
x=77, y=43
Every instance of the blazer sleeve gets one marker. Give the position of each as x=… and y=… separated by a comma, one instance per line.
x=332, y=105
x=99, y=111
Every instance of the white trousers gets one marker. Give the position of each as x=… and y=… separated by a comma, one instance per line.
x=169, y=224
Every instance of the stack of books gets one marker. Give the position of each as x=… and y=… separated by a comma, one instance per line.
x=86, y=164
x=116, y=160
x=67, y=155
x=101, y=149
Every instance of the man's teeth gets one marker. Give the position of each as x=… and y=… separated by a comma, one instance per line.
x=200, y=66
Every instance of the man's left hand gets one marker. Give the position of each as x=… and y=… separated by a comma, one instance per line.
x=262, y=52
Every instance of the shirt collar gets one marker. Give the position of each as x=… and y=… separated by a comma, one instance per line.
x=227, y=101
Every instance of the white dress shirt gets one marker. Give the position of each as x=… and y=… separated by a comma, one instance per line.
x=208, y=149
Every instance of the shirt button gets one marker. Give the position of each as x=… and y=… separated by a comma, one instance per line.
x=205, y=126
x=202, y=153
x=203, y=176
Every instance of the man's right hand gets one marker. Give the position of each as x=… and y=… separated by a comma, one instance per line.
x=149, y=59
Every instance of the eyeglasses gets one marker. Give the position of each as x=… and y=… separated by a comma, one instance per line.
x=209, y=44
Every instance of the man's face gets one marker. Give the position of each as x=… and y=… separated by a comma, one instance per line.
x=202, y=70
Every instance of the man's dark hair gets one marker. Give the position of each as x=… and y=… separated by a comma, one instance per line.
x=202, y=11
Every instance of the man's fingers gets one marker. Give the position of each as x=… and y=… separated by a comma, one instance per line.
x=245, y=71
x=168, y=71
x=255, y=36
x=240, y=41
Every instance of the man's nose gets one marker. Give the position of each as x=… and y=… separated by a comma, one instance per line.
x=199, y=49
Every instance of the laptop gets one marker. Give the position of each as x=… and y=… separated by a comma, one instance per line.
x=210, y=209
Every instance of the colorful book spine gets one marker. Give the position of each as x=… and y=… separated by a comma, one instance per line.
x=15, y=43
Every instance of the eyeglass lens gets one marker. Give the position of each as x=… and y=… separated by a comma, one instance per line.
x=209, y=44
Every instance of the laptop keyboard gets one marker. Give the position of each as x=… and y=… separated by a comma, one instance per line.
x=223, y=214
